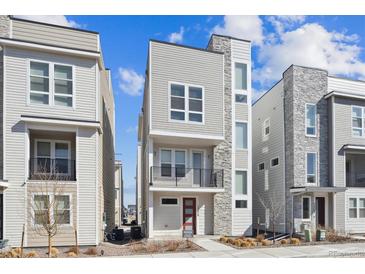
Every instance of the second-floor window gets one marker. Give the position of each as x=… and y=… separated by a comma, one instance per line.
x=241, y=182
x=357, y=121
x=52, y=157
x=173, y=158
x=186, y=103
x=241, y=135
x=310, y=119
x=240, y=82
x=266, y=129
x=51, y=84
x=311, y=167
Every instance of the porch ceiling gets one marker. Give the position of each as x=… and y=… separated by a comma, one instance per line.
x=307, y=189
x=354, y=147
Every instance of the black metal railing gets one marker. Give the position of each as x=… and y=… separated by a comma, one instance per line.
x=52, y=169
x=186, y=177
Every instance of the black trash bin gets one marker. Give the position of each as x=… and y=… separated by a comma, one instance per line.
x=119, y=234
x=136, y=232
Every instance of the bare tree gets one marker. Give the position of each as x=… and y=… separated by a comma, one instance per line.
x=276, y=209
x=46, y=210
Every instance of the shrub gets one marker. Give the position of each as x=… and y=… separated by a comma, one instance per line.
x=189, y=244
x=231, y=241
x=295, y=241
x=333, y=236
x=172, y=245
x=237, y=242
x=223, y=239
x=71, y=254
x=31, y=254
x=54, y=252
x=74, y=249
x=250, y=240
x=245, y=244
x=284, y=241
x=153, y=247
x=137, y=248
x=265, y=242
x=91, y=251
x=242, y=237
x=260, y=238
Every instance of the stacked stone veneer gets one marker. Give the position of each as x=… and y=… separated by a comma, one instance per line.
x=304, y=85
x=222, y=158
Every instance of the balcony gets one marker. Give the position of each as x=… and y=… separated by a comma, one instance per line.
x=180, y=177
x=46, y=169
x=355, y=169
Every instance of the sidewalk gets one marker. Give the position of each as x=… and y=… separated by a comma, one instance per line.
x=215, y=250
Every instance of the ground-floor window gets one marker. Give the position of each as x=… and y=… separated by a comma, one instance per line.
x=241, y=203
x=58, y=205
x=306, y=208
x=169, y=201
x=356, y=208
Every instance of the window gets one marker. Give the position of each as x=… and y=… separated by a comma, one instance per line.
x=306, y=208
x=186, y=103
x=39, y=83
x=266, y=129
x=240, y=76
x=241, y=182
x=357, y=121
x=51, y=84
x=180, y=163
x=52, y=156
x=310, y=119
x=241, y=203
x=169, y=201
x=63, y=85
x=241, y=98
x=353, y=208
x=241, y=135
x=261, y=166
x=311, y=167
x=166, y=163
x=62, y=210
x=362, y=208
x=41, y=203
x=274, y=162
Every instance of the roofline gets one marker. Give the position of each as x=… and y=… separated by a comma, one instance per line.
x=306, y=67
x=345, y=95
x=229, y=37
x=267, y=91
x=345, y=78
x=51, y=25
x=185, y=46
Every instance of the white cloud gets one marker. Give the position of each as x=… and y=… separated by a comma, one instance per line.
x=132, y=129
x=256, y=94
x=310, y=45
x=130, y=82
x=177, y=37
x=242, y=26
x=51, y=19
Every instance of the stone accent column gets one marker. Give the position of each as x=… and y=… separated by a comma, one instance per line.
x=222, y=158
x=4, y=26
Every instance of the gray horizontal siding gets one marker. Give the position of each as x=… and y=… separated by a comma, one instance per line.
x=241, y=157
x=241, y=112
x=54, y=35
x=189, y=66
x=241, y=50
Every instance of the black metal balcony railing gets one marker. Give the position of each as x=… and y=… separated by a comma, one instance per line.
x=167, y=176
x=52, y=169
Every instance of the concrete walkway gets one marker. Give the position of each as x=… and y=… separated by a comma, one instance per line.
x=215, y=250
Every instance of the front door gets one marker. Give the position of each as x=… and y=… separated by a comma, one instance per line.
x=197, y=168
x=1, y=216
x=189, y=214
x=321, y=211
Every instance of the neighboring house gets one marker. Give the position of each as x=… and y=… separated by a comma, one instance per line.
x=194, y=134
x=57, y=124
x=118, y=193
x=309, y=151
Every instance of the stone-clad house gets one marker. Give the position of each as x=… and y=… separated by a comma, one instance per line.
x=57, y=125
x=309, y=152
x=194, y=153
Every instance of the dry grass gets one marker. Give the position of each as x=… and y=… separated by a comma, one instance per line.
x=74, y=249
x=189, y=244
x=266, y=242
x=295, y=241
x=153, y=247
x=284, y=241
x=31, y=254
x=260, y=238
x=333, y=236
x=91, y=251
x=54, y=252
x=71, y=254
x=172, y=245
x=137, y=248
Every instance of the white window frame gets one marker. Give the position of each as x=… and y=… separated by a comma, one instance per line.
x=53, y=153
x=235, y=183
x=357, y=208
x=50, y=197
x=235, y=129
x=54, y=85
x=271, y=166
x=165, y=197
x=173, y=160
x=306, y=168
x=362, y=122
x=315, y=120
x=51, y=78
x=258, y=166
x=29, y=75
x=310, y=208
x=265, y=124
x=186, y=101
x=240, y=208
x=240, y=91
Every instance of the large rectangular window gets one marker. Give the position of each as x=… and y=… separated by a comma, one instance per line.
x=241, y=135
x=310, y=119
x=357, y=121
x=306, y=208
x=58, y=205
x=41, y=203
x=186, y=103
x=62, y=209
x=241, y=182
x=39, y=83
x=311, y=167
x=52, y=157
x=240, y=76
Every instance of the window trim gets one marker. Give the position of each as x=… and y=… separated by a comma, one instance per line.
x=240, y=208
x=306, y=167
x=265, y=136
x=315, y=120
x=186, y=101
x=247, y=137
x=51, y=84
x=357, y=208
x=173, y=162
x=166, y=197
x=29, y=87
x=258, y=166
x=310, y=208
x=51, y=196
x=235, y=183
x=271, y=166
x=242, y=91
x=362, y=120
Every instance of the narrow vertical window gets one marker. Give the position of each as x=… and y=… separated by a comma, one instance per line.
x=357, y=122
x=177, y=102
x=311, y=167
x=180, y=163
x=353, y=208
x=241, y=135
x=195, y=104
x=240, y=76
x=362, y=208
x=241, y=182
x=266, y=129
x=306, y=208
x=310, y=119
x=166, y=163
x=63, y=85
x=62, y=209
x=39, y=83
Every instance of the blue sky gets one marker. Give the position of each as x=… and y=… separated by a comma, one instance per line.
x=335, y=43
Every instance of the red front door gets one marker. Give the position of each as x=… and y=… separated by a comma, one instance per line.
x=189, y=214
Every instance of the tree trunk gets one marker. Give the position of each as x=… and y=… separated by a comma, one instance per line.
x=273, y=231
x=49, y=234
